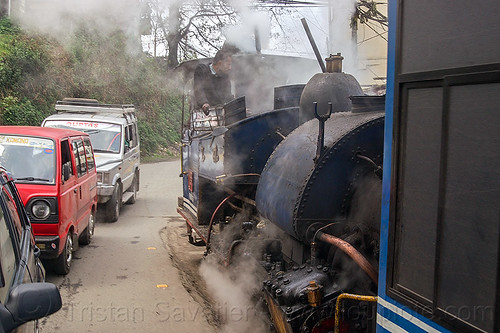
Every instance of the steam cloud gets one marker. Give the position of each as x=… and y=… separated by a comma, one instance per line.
x=340, y=14
x=59, y=18
x=243, y=35
x=234, y=292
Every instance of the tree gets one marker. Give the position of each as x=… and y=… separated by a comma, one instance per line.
x=189, y=29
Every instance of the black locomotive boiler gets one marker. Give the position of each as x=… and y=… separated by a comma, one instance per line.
x=303, y=181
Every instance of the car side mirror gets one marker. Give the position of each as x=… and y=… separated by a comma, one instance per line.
x=28, y=302
x=66, y=172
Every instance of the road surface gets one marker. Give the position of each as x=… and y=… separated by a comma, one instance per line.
x=127, y=279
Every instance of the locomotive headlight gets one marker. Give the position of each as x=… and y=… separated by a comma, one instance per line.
x=40, y=209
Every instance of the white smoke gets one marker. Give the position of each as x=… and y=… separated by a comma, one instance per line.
x=59, y=18
x=253, y=25
x=234, y=294
x=341, y=40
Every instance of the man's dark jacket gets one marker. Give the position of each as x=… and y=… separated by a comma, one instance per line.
x=210, y=88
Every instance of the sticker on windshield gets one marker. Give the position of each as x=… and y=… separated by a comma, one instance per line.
x=27, y=141
x=49, y=151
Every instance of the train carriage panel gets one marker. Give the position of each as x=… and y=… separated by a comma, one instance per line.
x=440, y=259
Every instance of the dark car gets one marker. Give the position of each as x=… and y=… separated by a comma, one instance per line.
x=24, y=296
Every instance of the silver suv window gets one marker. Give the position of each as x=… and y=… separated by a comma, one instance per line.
x=105, y=137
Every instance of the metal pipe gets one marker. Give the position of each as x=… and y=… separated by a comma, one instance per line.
x=258, y=46
x=349, y=296
x=182, y=113
x=232, y=248
x=351, y=252
x=233, y=206
x=313, y=44
x=222, y=177
x=212, y=221
x=240, y=197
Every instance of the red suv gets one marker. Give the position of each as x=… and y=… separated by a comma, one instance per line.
x=56, y=176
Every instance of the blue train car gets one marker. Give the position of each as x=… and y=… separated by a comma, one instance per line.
x=439, y=254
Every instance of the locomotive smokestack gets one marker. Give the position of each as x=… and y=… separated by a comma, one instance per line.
x=334, y=63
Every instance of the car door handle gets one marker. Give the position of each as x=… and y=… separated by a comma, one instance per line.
x=75, y=190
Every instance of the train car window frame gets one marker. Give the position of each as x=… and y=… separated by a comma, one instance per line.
x=407, y=296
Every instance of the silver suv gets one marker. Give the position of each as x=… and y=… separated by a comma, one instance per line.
x=115, y=139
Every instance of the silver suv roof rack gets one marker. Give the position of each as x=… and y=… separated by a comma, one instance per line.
x=85, y=105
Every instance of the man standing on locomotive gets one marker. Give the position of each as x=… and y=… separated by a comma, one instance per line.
x=212, y=85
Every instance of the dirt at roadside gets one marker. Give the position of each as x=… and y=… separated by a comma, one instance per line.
x=187, y=259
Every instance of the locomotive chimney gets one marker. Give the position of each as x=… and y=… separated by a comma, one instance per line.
x=334, y=63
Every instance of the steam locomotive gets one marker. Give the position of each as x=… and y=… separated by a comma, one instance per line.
x=365, y=220
x=302, y=184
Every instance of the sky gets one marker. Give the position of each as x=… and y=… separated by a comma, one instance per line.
x=292, y=40
x=58, y=18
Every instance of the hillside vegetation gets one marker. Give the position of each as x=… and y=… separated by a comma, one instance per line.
x=36, y=71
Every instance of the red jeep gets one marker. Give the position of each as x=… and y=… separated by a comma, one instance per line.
x=56, y=176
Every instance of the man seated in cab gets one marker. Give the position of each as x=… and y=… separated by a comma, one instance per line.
x=212, y=85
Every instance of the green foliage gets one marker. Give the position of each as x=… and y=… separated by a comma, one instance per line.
x=23, y=62
x=35, y=72
x=20, y=57
x=15, y=112
x=161, y=127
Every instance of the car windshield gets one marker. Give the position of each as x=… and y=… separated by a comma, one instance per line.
x=28, y=159
x=105, y=137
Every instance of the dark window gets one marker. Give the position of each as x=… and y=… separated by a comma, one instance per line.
x=135, y=139
x=80, y=159
x=8, y=258
x=13, y=211
x=11, y=189
x=129, y=137
x=445, y=253
x=66, y=155
x=89, y=153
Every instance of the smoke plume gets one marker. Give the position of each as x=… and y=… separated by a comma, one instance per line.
x=60, y=18
x=234, y=291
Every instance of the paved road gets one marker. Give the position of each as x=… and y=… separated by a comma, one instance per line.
x=124, y=281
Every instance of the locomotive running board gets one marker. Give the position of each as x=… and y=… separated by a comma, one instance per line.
x=192, y=225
